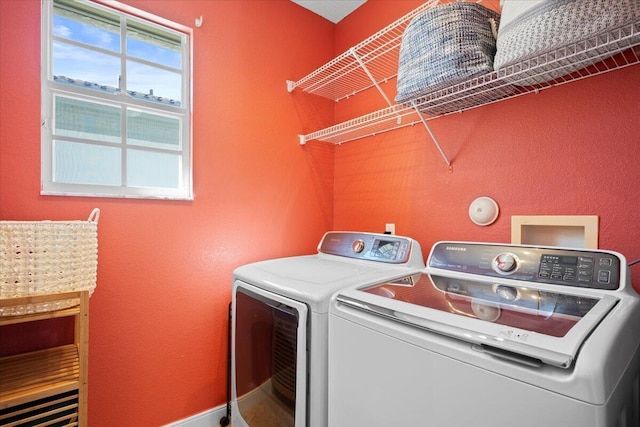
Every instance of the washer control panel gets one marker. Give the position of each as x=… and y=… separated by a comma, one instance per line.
x=580, y=268
x=368, y=246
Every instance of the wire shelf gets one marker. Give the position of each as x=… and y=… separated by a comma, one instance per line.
x=615, y=49
x=371, y=62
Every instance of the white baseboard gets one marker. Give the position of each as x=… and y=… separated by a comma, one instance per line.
x=207, y=418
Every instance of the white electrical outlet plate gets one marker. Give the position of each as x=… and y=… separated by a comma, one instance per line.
x=390, y=228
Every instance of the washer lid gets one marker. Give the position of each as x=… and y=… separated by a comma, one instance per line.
x=525, y=324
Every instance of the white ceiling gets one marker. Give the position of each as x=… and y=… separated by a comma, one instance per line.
x=333, y=10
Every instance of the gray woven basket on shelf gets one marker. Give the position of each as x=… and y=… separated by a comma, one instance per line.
x=41, y=257
x=444, y=46
x=540, y=27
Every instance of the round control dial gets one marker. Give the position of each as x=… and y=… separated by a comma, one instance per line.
x=505, y=263
x=358, y=246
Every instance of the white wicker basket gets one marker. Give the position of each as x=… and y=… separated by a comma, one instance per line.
x=42, y=257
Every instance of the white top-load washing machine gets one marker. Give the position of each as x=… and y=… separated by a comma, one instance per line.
x=490, y=335
x=279, y=324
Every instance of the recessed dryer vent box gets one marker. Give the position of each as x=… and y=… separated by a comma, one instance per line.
x=575, y=231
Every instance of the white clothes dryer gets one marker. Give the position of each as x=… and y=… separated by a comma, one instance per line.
x=279, y=314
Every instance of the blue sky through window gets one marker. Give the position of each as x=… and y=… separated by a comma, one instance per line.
x=96, y=67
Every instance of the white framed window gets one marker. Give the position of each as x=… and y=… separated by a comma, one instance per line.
x=116, y=102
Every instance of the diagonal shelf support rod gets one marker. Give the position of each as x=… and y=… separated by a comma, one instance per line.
x=433, y=137
x=368, y=73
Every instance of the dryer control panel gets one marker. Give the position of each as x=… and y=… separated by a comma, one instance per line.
x=368, y=246
x=568, y=267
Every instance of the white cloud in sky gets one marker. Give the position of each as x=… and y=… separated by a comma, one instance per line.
x=98, y=37
x=62, y=31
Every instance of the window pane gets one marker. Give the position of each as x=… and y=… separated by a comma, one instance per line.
x=85, y=24
x=85, y=68
x=154, y=44
x=151, y=169
x=76, y=163
x=152, y=130
x=154, y=84
x=88, y=120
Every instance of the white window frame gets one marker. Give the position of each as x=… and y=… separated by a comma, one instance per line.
x=50, y=89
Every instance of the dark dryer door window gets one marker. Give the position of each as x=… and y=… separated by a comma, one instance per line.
x=269, y=358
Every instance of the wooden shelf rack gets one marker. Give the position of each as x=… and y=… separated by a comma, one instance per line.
x=30, y=383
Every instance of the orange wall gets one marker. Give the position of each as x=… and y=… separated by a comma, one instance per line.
x=569, y=150
x=158, y=328
x=158, y=316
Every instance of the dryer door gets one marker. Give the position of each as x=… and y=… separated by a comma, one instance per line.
x=269, y=358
